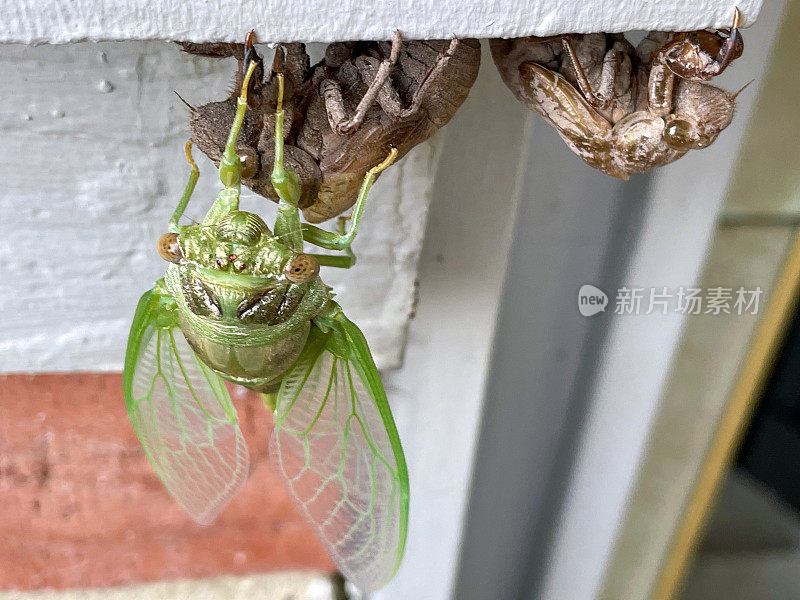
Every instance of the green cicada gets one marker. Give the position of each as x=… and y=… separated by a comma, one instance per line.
x=242, y=303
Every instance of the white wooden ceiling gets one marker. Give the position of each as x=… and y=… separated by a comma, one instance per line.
x=62, y=21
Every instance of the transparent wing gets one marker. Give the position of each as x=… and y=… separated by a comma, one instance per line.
x=337, y=448
x=182, y=413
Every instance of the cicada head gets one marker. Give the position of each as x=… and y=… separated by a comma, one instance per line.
x=702, y=55
x=238, y=243
x=238, y=239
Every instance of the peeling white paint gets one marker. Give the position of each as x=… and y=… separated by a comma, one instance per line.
x=92, y=167
x=61, y=21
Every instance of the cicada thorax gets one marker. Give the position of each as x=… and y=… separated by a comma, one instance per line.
x=249, y=331
x=245, y=301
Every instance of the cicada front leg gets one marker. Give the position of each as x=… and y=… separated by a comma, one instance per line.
x=286, y=183
x=194, y=175
x=342, y=240
x=287, y=223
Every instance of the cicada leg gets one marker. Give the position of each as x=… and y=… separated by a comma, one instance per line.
x=194, y=175
x=230, y=165
x=341, y=262
x=341, y=241
x=285, y=182
x=611, y=63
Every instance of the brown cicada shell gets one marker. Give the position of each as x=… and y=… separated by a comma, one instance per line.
x=622, y=109
x=342, y=115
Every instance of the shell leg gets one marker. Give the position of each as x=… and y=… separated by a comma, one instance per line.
x=388, y=99
x=331, y=90
x=441, y=63
x=605, y=92
x=214, y=49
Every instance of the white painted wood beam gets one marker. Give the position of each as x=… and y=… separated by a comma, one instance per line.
x=63, y=21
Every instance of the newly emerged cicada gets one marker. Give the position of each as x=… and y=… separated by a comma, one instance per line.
x=246, y=304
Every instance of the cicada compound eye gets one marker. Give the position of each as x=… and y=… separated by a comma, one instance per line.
x=680, y=134
x=169, y=248
x=301, y=268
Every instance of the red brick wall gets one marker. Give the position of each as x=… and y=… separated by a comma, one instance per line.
x=81, y=507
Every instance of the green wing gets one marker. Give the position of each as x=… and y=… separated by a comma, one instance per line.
x=337, y=448
x=182, y=412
